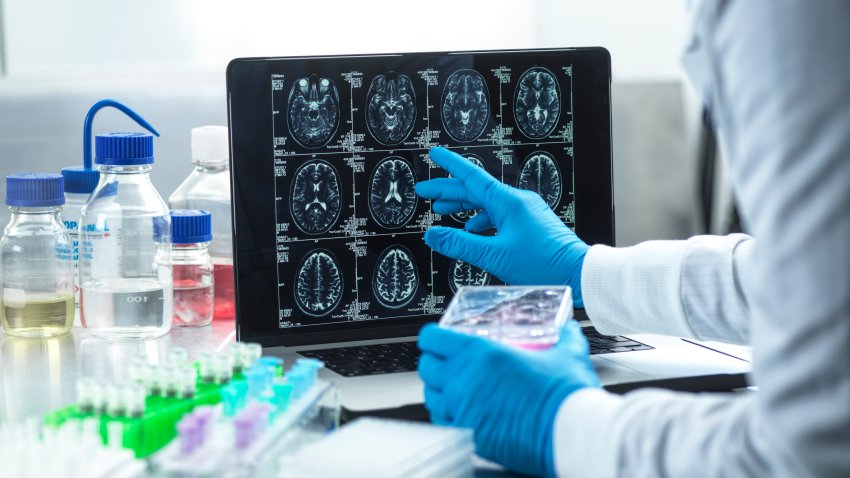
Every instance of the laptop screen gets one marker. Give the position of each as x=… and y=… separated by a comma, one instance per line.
x=325, y=154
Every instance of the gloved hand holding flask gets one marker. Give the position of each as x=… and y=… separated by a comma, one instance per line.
x=508, y=396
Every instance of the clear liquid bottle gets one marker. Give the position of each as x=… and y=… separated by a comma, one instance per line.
x=124, y=291
x=79, y=184
x=208, y=188
x=191, y=233
x=35, y=253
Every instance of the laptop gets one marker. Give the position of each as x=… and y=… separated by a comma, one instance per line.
x=325, y=152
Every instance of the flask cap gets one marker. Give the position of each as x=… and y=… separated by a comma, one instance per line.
x=209, y=145
x=35, y=190
x=79, y=180
x=190, y=226
x=123, y=149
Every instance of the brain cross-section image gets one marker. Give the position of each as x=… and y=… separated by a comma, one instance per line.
x=318, y=283
x=465, y=108
x=315, y=202
x=465, y=274
x=540, y=174
x=391, y=108
x=313, y=111
x=463, y=216
x=538, y=103
x=396, y=278
x=392, y=198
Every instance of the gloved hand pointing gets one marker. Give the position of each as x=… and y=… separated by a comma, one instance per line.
x=532, y=245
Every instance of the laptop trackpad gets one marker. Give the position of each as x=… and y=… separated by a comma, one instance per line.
x=372, y=392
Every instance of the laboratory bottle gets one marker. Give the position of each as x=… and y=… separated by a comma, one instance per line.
x=35, y=253
x=79, y=184
x=125, y=292
x=208, y=188
x=191, y=233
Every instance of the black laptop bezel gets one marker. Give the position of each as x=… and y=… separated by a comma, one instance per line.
x=248, y=94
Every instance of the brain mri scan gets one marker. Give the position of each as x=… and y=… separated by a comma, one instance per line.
x=540, y=174
x=313, y=111
x=463, y=216
x=538, y=103
x=465, y=107
x=315, y=201
x=391, y=108
x=396, y=278
x=318, y=283
x=392, y=198
x=464, y=274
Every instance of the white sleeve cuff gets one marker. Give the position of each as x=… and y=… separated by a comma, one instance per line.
x=586, y=435
x=635, y=289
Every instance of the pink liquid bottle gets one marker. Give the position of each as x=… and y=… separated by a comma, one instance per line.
x=208, y=188
x=192, y=268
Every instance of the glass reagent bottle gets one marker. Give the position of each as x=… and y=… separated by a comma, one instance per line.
x=35, y=254
x=125, y=292
x=191, y=233
x=208, y=188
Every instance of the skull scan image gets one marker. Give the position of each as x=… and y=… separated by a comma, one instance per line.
x=391, y=108
x=540, y=174
x=313, y=111
x=392, y=198
x=465, y=274
x=463, y=216
x=538, y=103
x=396, y=278
x=315, y=201
x=318, y=283
x=465, y=107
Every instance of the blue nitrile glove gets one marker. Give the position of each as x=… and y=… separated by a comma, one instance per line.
x=532, y=245
x=508, y=396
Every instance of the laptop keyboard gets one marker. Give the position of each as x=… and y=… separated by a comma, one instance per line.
x=404, y=356
x=369, y=359
x=610, y=344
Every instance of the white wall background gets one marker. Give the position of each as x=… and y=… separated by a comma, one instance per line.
x=114, y=36
x=166, y=59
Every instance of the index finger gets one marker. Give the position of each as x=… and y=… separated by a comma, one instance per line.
x=476, y=180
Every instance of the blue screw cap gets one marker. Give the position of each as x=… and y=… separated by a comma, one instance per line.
x=79, y=180
x=35, y=190
x=123, y=149
x=87, y=125
x=190, y=226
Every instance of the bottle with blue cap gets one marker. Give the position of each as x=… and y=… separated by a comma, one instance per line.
x=35, y=259
x=208, y=188
x=125, y=292
x=192, y=267
x=79, y=184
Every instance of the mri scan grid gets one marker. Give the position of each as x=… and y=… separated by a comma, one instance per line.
x=391, y=108
x=313, y=110
x=395, y=278
x=465, y=105
x=351, y=141
x=539, y=173
x=316, y=199
x=538, y=103
x=392, y=198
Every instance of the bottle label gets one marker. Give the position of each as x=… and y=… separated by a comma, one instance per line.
x=14, y=298
x=71, y=226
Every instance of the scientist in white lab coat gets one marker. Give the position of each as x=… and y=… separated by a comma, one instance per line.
x=775, y=76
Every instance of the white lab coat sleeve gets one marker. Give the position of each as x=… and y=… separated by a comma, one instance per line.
x=692, y=288
x=778, y=74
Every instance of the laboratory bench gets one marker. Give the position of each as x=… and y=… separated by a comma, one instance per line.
x=38, y=376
